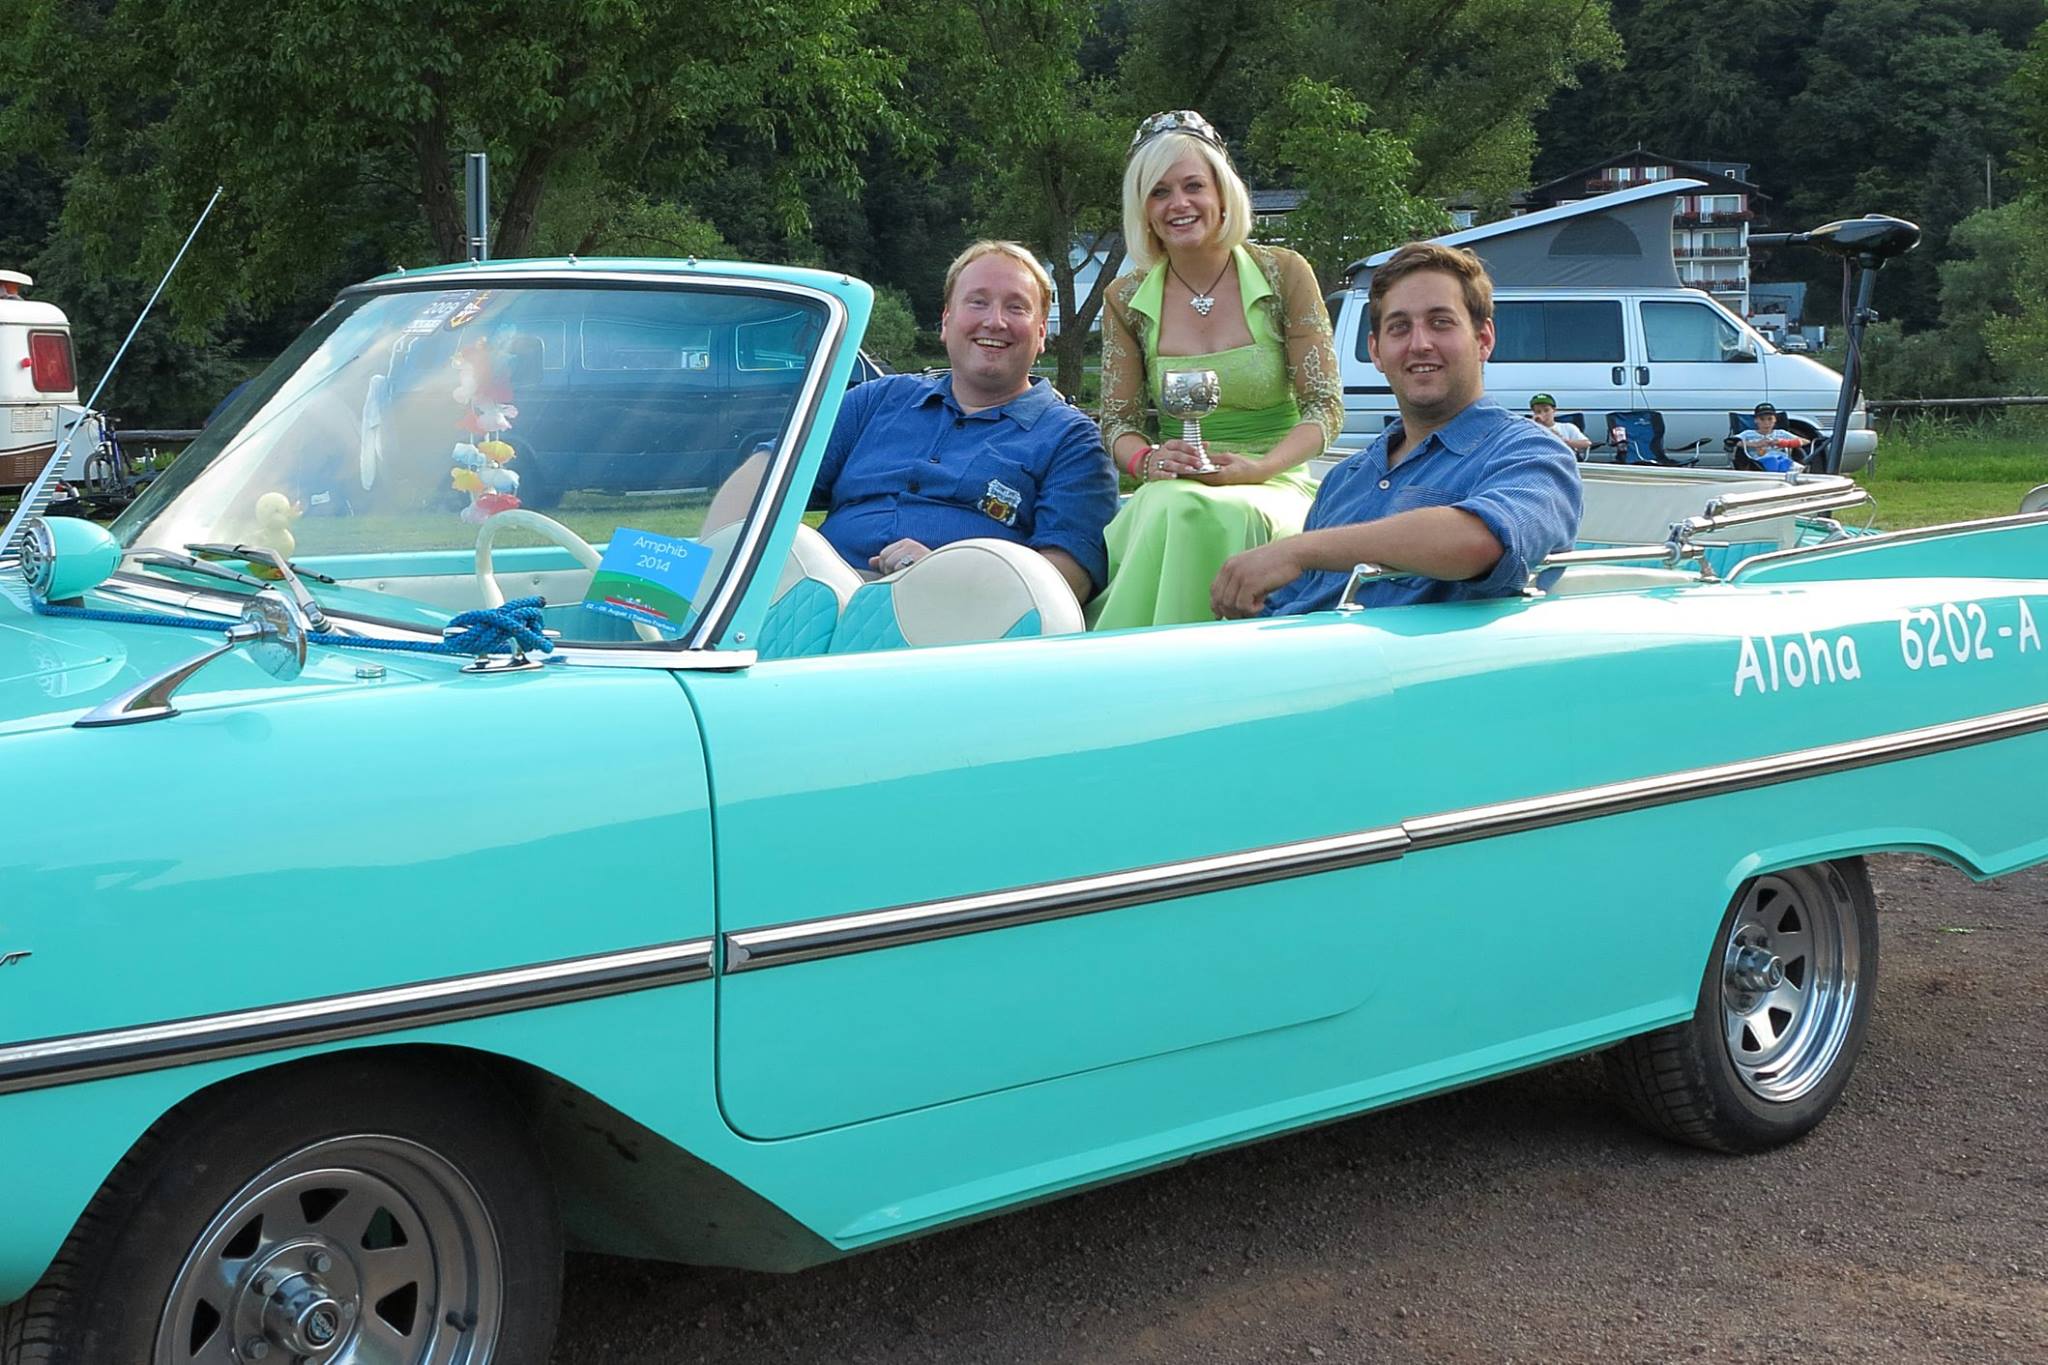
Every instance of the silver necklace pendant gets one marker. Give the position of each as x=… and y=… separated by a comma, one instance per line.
x=1202, y=303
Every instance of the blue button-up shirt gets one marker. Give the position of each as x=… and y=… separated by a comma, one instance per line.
x=1519, y=479
x=905, y=461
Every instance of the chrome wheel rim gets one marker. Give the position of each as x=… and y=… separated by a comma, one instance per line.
x=352, y=1251
x=1791, y=975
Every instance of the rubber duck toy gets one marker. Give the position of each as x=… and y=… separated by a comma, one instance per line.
x=274, y=516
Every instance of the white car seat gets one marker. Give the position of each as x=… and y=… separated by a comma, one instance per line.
x=967, y=591
x=812, y=591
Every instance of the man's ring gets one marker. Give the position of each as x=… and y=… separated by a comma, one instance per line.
x=905, y=562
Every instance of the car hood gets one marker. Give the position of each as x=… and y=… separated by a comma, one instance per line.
x=53, y=668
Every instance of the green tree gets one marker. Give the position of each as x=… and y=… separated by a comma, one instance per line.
x=1047, y=142
x=1458, y=81
x=1902, y=126
x=1981, y=293
x=1839, y=107
x=2019, y=341
x=892, y=330
x=1354, y=177
x=325, y=117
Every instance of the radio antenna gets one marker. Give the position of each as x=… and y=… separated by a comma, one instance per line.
x=36, y=496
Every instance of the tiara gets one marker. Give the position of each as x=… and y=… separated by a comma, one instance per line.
x=1176, y=121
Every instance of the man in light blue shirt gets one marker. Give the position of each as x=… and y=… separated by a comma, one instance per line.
x=1461, y=494
x=985, y=451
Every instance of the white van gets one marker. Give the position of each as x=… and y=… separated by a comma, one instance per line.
x=37, y=378
x=1589, y=307
x=1674, y=351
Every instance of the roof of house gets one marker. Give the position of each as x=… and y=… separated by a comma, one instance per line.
x=1718, y=175
x=1276, y=201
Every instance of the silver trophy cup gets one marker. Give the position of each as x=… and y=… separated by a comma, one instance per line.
x=1191, y=395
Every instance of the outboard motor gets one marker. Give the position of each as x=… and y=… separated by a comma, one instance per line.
x=1864, y=244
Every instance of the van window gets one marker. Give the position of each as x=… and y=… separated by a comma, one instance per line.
x=627, y=343
x=782, y=343
x=1679, y=332
x=1556, y=330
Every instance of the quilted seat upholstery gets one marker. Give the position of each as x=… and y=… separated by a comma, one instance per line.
x=968, y=591
x=813, y=589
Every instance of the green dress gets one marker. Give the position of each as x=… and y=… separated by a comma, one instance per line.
x=1171, y=536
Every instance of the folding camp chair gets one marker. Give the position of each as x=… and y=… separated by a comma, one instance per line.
x=1773, y=462
x=1645, y=443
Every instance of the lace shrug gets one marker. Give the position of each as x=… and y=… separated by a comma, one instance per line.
x=1295, y=308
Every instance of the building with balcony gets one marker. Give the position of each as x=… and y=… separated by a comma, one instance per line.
x=1709, y=228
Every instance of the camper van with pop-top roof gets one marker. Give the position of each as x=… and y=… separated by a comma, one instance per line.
x=1588, y=306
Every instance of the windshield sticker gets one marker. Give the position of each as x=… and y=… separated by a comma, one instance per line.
x=438, y=309
x=649, y=578
x=467, y=314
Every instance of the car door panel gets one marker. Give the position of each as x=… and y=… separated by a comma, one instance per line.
x=987, y=768
x=851, y=786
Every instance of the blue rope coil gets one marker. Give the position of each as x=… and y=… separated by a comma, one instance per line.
x=487, y=630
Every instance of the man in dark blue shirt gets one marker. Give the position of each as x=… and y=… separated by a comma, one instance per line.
x=1460, y=493
x=916, y=463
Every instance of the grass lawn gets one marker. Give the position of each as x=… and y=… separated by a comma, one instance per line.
x=1930, y=473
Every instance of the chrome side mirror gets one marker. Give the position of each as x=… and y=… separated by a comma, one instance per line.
x=273, y=629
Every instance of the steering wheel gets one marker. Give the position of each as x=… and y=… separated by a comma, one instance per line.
x=520, y=519
x=525, y=519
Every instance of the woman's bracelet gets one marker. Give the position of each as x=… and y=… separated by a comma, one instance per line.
x=1141, y=453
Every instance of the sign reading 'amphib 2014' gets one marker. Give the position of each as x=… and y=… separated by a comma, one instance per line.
x=649, y=579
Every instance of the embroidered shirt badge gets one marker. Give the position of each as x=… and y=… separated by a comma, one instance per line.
x=1001, y=501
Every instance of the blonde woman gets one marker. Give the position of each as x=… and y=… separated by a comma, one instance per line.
x=1201, y=298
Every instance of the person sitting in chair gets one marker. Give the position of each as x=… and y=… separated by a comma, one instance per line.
x=1766, y=447
x=1543, y=412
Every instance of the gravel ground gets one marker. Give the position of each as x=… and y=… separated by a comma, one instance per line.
x=1524, y=1220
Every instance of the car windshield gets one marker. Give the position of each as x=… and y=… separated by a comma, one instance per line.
x=574, y=438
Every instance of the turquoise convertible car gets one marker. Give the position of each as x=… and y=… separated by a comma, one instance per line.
x=638, y=878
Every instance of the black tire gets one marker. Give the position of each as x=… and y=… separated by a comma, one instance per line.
x=1783, y=1008
x=400, y=1205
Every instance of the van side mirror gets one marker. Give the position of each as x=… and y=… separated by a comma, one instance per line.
x=1742, y=355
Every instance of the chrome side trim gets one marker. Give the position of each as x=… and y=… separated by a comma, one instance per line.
x=838, y=936
x=152, y=1047
x=808, y=940
x=1615, y=798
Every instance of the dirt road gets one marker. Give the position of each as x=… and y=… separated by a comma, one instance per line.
x=1521, y=1221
